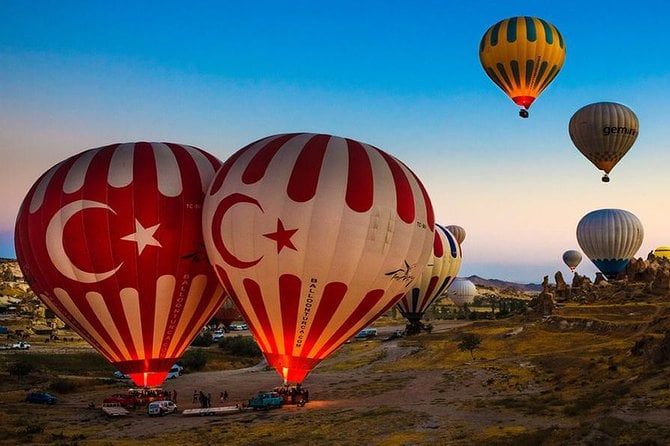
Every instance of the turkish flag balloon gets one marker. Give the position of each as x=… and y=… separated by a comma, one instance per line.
x=439, y=273
x=228, y=313
x=314, y=237
x=111, y=240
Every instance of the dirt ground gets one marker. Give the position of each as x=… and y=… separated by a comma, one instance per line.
x=367, y=394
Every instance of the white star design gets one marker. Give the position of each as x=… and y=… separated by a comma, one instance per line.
x=143, y=237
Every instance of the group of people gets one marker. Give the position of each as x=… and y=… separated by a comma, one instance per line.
x=205, y=400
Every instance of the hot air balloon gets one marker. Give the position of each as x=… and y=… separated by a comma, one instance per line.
x=662, y=251
x=522, y=55
x=228, y=313
x=111, y=241
x=610, y=238
x=572, y=258
x=441, y=270
x=314, y=237
x=604, y=132
x=458, y=233
x=462, y=291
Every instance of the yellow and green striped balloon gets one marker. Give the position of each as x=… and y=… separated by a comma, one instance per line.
x=522, y=55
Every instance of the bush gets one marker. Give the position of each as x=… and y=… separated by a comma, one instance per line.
x=20, y=368
x=194, y=359
x=240, y=346
x=203, y=340
x=63, y=386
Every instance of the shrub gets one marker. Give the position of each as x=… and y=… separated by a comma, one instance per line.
x=63, y=386
x=20, y=368
x=240, y=346
x=194, y=359
x=203, y=340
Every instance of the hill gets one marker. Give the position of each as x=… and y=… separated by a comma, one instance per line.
x=501, y=284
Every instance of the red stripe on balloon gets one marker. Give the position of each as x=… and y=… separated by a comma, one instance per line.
x=430, y=214
x=331, y=298
x=261, y=160
x=428, y=295
x=228, y=286
x=222, y=173
x=405, y=205
x=307, y=168
x=438, y=248
x=256, y=301
x=360, y=181
x=366, y=304
x=289, y=299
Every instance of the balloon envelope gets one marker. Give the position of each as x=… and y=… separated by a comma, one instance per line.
x=462, y=291
x=228, y=313
x=458, y=233
x=662, y=251
x=111, y=240
x=610, y=238
x=522, y=55
x=439, y=273
x=572, y=258
x=314, y=237
x=604, y=132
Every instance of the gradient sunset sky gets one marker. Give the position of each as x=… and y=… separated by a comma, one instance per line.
x=401, y=75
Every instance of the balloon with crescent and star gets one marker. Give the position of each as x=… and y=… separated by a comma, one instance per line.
x=439, y=273
x=314, y=237
x=111, y=240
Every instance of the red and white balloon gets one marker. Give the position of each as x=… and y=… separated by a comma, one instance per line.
x=314, y=237
x=111, y=240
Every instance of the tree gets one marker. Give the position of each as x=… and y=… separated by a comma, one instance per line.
x=469, y=342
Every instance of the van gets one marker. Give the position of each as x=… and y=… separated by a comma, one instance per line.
x=175, y=372
x=161, y=408
x=366, y=333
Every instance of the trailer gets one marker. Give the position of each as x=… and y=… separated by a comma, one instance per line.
x=114, y=410
x=211, y=411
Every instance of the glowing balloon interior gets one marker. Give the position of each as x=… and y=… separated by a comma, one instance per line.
x=314, y=237
x=610, y=238
x=522, y=55
x=111, y=240
x=439, y=273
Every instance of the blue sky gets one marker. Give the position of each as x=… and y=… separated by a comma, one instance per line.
x=404, y=76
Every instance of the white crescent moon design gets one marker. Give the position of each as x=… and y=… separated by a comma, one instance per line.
x=56, y=250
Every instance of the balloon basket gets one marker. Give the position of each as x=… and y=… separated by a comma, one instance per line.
x=605, y=179
x=523, y=113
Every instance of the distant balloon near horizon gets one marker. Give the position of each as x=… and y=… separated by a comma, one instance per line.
x=439, y=273
x=610, y=238
x=522, y=55
x=572, y=258
x=462, y=291
x=458, y=232
x=314, y=237
x=604, y=132
x=662, y=251
x=111, y=240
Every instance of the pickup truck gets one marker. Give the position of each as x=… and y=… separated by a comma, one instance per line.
x=266, y=400
x=20, y=346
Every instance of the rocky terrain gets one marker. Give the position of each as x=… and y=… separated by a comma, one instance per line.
x=585, y=363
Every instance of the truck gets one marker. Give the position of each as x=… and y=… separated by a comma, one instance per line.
x=266, y=401
x=21, y=346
